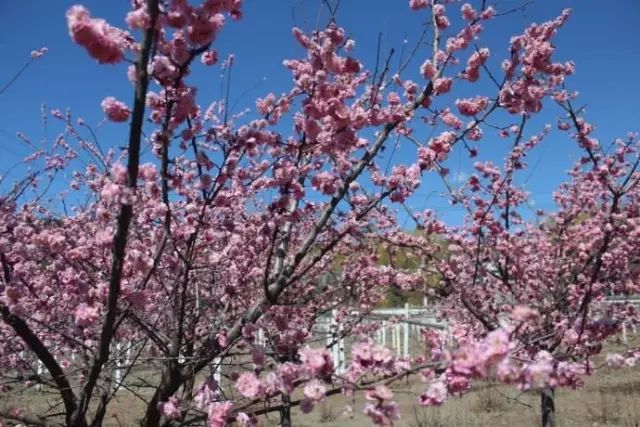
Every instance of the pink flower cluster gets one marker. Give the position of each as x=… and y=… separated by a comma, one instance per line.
x=533, y=51
x=138, y=19
x=442, y=22
x=428, y=70
x=171, y=408
x=442, y=85
x=116, y=111
x=370, y=358
x=103, y=42
x=219, y=413
x=474, y=63
x=437, y=149
x=418, y=4
x=472, y=106
x=39, y=53
x=450, y=119
x=86, y=315
x=317, y=361
x=435, y=394
x=379, y=408
x=403, y=182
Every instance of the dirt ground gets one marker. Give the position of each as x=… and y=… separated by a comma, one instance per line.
x=609, y=398
x=612, y=398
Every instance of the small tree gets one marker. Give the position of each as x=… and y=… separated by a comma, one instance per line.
x=543, y=282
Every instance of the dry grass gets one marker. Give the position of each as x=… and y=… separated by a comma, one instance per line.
x=610, y=398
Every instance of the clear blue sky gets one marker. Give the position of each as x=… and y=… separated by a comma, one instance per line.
x=601, y=37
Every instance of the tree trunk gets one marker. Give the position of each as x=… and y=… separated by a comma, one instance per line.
x=548, y=407
x=169, y=383
x=285, y=411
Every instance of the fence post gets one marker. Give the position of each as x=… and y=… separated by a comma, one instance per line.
x=40, y=372
x=117, y=372
x=260, y=337
x=393, y=338
x=217, y=371
x=405, y=349
x=384, y=333
x=342, y=360
x=334, y=340
x=337, y=341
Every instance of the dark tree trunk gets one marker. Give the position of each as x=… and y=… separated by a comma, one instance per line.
x=548, y=407
x=170, y=383
x=285, y=411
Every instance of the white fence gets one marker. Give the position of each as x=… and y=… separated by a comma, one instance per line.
x=396, y=326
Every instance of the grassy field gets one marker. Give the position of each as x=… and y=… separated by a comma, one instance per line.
x=609, y=398
x=612, y=398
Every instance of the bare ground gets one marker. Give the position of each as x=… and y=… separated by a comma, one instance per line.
x=609, y=398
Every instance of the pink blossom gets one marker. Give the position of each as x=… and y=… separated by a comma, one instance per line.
x=249, y=385
x=206, y=393
x=288, y=373
x=111, y=192
x=170, y=408
x=116, y=111
x=103, y=42
x=86, y=315
x=435, y=394
x=496, y=343
x=383, y=413
x=457, y=384
x=132, y=74
x=488, y=13
x=138, y=19
x=475, y=61
x=472, y=106
x=244, y=420
x=315, y=390
x=146, y=172
x=370, y=357
x=474, y=134
x=317, y=360
x=301, y=37
x=218, y=414
x=537, y=374
x=350, y=45
x=393, y=98
x=39, y=53
x=570, y=337
x=428, y=70
x=162, y=68
x=379, y=393
x=442, y=85
x=258, y=356
x=325, y=182
x=203, y=27
x=615, y=360
x=468, y=12
x=418, y=4
x=209, y=57
x=522, y=313
x=450, y=119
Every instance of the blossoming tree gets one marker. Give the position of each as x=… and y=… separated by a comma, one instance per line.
x=528, y=297
x=540, y=289
x=213, y=249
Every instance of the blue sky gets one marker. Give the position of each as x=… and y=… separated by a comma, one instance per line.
x=602, y=38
